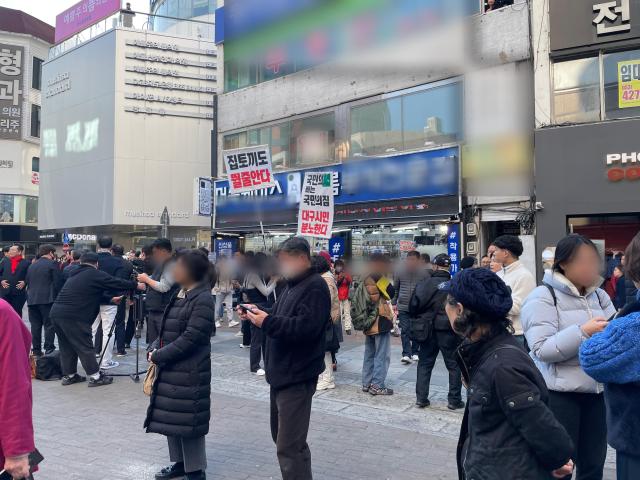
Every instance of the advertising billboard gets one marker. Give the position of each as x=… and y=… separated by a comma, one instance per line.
x=11, y=76
x=82, y=15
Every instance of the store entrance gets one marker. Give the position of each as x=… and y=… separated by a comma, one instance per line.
x=612, y=233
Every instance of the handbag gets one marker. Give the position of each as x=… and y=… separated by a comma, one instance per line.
x=150, y=379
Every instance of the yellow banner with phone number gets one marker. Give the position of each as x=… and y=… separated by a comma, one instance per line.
x=629, y=84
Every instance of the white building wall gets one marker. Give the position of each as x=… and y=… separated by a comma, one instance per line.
x=140, y=162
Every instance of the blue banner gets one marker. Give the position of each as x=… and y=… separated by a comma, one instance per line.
x=336, y=247
x=423, y=174
x=226, y=247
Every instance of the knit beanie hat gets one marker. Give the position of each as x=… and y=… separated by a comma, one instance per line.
x=510, y=243
x=481, y=291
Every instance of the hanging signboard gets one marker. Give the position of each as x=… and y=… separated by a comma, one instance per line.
x=82, y=15
x=315, y=215
x=453, y=246
x=248, y=169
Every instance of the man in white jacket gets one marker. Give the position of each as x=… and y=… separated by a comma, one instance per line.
x=508, y=249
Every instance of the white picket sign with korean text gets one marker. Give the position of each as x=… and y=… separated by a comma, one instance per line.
x=315, y=215
x=249, y=168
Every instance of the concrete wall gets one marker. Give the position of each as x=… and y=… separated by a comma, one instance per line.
x=495, y=38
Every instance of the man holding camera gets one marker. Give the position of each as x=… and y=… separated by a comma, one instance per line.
x=114, y=266
x=160, y=285
x=78, y=301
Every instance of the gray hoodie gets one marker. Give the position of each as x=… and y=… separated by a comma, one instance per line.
x=554, y=335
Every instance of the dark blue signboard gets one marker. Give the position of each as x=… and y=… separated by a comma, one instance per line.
x=374, y=182
x=453, y=246
x=226, y=247
x=336, y=247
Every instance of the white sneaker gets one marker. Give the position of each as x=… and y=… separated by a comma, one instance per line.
x=233, y=324
x=242, y=345
x=325, y=386
x=218, y=325
x=260, y=372
x=239, y=334
x=109, y=365
x=406, y=360
x=415, y=358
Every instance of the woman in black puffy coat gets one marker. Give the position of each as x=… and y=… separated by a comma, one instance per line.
x=180, y=405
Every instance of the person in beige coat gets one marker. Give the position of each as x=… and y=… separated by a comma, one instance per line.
x=322, y=266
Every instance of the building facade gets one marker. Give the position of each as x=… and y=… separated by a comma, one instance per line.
x=126, y=134
x=24, y=45
x=390, y=110
x=587, y=85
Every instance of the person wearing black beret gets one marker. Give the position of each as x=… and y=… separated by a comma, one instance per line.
x=508, y=430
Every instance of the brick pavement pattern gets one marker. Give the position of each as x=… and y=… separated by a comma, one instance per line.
x=97, y=434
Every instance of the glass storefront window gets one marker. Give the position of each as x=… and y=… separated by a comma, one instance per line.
x=313, y=140
x=576, y=95
x=376, y=128
x=7, y=208
x=621, y=71
x=31, y=210
x=432, y=117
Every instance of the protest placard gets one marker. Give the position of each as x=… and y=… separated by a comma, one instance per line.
x=248, y=168
x=315, y=215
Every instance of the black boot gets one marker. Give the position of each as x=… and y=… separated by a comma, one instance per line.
x=173, y=471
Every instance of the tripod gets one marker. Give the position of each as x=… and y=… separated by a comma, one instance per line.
x=138, y=318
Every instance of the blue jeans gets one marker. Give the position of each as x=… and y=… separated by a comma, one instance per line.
x=408, y=347
x=376, y=359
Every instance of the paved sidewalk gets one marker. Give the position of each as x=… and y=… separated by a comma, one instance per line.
x=96, y=434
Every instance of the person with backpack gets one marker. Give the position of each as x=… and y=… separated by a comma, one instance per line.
x=508, y=430
x=372, y=314
x=430, y=329
x=557, y=318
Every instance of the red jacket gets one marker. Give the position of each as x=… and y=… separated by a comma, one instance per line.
x=343, y=286
x=16, y=425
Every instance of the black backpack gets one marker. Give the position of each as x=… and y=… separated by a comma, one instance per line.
x=48, y=366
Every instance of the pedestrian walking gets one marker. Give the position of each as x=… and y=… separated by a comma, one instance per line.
x=431, y=330
x=557, y=317
x=344, y=281
x=73, y=313
x=333, y=334
x=223, y=291
x=613, y=358
x=508, y=430
x=44, y=281
x=13, y=274
x=294, y=354
x=404, y=284
x=75, y=263
x=16, y=424
x=180, y=403
x=371, y=313
x=507, y=252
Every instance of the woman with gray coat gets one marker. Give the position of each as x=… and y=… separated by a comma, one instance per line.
x=557, y=318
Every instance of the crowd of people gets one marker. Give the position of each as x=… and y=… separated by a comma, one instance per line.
x=551, y=371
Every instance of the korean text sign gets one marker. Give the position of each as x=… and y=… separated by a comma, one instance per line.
x=629, y=84
x=11, y=79
x=315, y=216
x=249, y=169
x=454, y=246
x=82, y=15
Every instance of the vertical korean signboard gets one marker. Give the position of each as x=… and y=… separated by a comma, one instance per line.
x=11, y=76
x=248, y=169
x=453, y=246
x=315, y=216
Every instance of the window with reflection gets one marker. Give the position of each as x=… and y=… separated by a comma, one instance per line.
x=621, y=71
x=576, y=91
x=313, y=140
x=31, y=210
x=376, y=128
x=7, y=208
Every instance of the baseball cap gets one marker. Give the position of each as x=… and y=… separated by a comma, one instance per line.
x=442, y=260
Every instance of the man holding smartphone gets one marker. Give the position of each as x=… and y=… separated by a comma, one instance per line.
x=294, y=354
